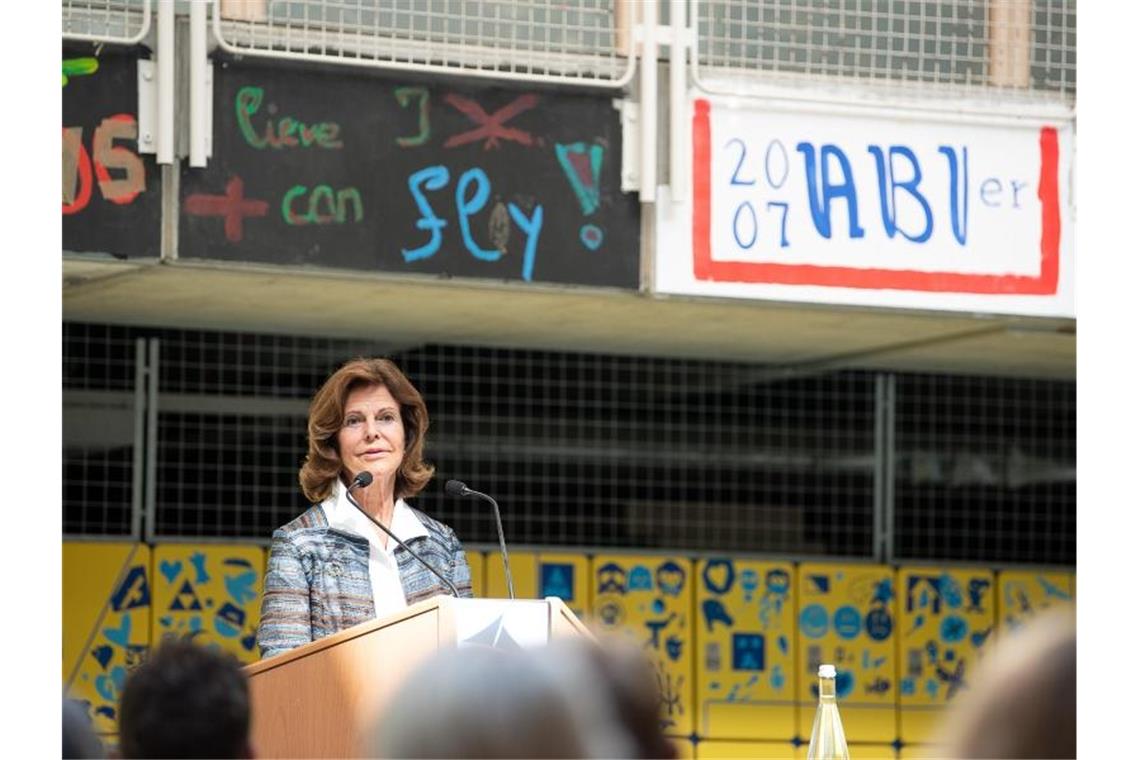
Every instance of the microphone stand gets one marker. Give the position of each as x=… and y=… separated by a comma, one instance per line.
x=348, y=493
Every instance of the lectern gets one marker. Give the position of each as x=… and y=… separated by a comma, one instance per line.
x=319, y=700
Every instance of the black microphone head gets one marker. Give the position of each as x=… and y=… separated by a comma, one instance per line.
x=455, y=488
x=363, y=479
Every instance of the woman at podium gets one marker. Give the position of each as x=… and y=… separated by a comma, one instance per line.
x=333, y=566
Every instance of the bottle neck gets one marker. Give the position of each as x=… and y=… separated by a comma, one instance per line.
x=826, y=689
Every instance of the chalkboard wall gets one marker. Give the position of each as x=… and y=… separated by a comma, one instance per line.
x=336, y=168
x=112, y=201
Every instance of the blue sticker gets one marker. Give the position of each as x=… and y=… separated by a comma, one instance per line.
x=557, y=580
x=611, y=578
x=848, y=622
x=747, y=651
x=879, y=624
x=718, y=575
x=670, y=578
x=954, y=629
x=715, y=612
x=813, y=621
x=640, y=579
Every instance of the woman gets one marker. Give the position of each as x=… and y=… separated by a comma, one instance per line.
x=332, y=568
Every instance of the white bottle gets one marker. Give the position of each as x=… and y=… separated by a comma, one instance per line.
x=828, y=741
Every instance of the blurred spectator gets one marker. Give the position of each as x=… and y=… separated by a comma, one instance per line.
x=1023, y=702
x=79, y=739
x=185, y=701
x=478, y=702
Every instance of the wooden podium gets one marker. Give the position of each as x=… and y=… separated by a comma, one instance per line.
x=320, y=699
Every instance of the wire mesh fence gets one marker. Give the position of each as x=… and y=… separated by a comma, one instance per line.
x=580, y=41
x=1012, y=49
x=114, y=21
x=608, y=451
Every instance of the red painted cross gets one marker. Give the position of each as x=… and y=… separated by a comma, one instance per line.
x=231, y=205
x=491, y=127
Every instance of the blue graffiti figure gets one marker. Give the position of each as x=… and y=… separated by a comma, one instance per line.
x=878, y=624
x=670, y=578
x=906, y=687
x=229, y=621
x=132, y=592
x=558, y=580
x=950, y=591
x=715, y=612
x=977, y=638
x=848, y=622
x=241, y=587
x=976, y=590
x=883, y=592
x=953, y=680
x=640, y=579
x=813, y=621
x=747, y=651
x=611, y=613
x=673, y=646
x=722, y=567
x=431, y=178
x=777, y=679
x=1052, y=590
x=198, y=560
x=953, y=629
x=655, y=627
x=611, y=578
x=928, y=586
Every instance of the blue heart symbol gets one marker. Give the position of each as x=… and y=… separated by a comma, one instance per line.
x=120, y=635
x=103, y=686
x=170, y=570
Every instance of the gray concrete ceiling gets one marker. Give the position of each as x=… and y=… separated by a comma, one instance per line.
x=408, y=311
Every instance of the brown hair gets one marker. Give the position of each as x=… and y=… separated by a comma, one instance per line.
x=326, y=416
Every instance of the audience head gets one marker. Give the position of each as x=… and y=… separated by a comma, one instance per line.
x=79, y=739
x=478, y=702
x=1023, y=702
x=185, y=701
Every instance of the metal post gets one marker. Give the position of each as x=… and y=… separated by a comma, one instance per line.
x=138, y=451
x=678, y=104
x=151, y=439
x=884, y=487
x=648, y=94
x=199, y=125
x=165, y=53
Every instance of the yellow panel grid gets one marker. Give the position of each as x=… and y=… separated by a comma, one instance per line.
x=847, y=618
x=1022, y=594
x=722, y=750
x=477, y=561
x=745, y=656
x=649, y=600
x=106, y=623
x=523, y=572
x=210, y=592
x=946, y=617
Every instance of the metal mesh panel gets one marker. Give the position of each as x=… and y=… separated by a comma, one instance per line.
x=985, y=470
x=116, y=21
x=578, y=41
x=98, y=429
x=1013, y=49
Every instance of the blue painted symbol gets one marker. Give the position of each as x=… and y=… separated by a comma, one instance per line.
x=611, y=578
x=719, y=575
x=747, y=651
x=111, y=684
x=782, y=644
x=557, y=580
x=198, y=560
x=906, y=687
x=1052, y=590
x=777, y=679
x=132, y=592
x=591, y=236
x=883, y=591
x=977, y=638
x=749, y=581
x=715, y=612
x=932, y=687
x=120, y=635
x=186, y=599
x=778, y=582
x=241, y=587
x=249, y=641
x=106, y=711
x=819, y=584
x=954, y=629
x=103, y=655
x=611, y=613
x=170, y=570
x=848, y=622
x=977, y=589
x=813, y=621
x=879, y=624
x=673, y=648
x=950, y=591
x=670, y=578
x=640, y=579
x=658, y=606
x=229, y=621
x=844, y=683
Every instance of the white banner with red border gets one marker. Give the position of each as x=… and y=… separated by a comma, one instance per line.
x=891, y=210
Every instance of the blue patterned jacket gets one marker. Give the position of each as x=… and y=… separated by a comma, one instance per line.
x=317, y=579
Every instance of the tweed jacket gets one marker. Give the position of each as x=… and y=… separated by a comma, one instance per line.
x=317, y=580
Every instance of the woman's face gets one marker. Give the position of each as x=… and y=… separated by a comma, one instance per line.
x=372, y=434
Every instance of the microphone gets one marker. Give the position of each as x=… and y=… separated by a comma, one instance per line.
x=363, y=480
x=457, y=488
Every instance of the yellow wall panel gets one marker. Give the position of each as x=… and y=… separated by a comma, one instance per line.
x=946, y=615
x=524, y=573
x=921, y=752
x=745, y=649
x=477, y=561
x=106, y=622
x=684, y=747
x=847, y=618
x=649, y=599
x=711, y=749
x=211, y=592
x=1022, y=594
